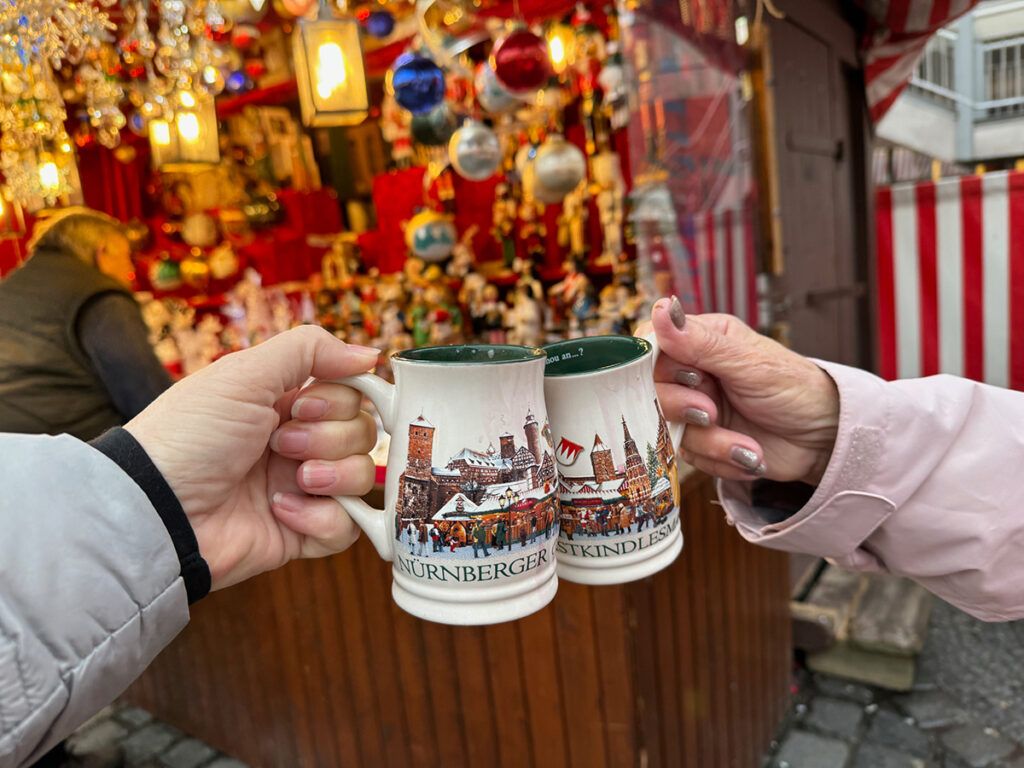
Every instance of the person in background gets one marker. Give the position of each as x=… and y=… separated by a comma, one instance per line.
x=75, y=356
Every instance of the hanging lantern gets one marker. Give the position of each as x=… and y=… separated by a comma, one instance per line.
x=558, y=169
x=417, y=82
x=189, y=137
x=330, y=72
x=474, y=151
x=520, y=60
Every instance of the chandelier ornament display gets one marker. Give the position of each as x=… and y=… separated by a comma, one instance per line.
x=54, y=31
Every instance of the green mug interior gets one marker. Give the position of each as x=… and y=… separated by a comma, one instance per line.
x=461, y=354
x=592, y=354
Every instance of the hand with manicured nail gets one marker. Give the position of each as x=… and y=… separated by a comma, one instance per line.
x=253, y=455
x=752, y=407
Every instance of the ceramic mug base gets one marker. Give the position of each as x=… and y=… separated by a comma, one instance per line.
x=470, y=612
x=582, y=570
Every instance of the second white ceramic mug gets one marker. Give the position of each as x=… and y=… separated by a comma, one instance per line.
x=618, y=484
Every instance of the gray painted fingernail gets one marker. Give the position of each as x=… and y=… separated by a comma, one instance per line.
x=698, y=417
x=690, y=379
x=746, y=458
x=676, y=313
x=761, y=469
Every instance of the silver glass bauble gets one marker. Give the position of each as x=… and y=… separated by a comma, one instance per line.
x=558, y=169
x=474, y=151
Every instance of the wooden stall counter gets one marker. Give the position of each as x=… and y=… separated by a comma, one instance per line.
x=314, y=665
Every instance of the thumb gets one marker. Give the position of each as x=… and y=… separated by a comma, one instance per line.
x=717, y=344
x=289, y=359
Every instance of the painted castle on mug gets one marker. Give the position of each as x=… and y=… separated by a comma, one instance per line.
x=488, y=501
x=617, y=499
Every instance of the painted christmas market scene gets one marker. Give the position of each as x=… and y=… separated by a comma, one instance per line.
x=616, y=498
x=478, y=503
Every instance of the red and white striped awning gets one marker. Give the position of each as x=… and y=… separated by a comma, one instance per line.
x=951, y=278
x=898, y=31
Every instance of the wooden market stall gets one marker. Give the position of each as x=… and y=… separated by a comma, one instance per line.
x=314, y=665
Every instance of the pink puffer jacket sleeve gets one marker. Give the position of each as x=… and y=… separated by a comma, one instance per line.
x=926, y=481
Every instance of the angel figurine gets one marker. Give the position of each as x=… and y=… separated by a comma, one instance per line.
x=525, y=318
x=462, y=255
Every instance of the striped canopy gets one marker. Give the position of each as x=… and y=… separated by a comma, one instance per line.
x=897, y=33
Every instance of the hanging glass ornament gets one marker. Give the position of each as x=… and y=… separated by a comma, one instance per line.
x=558, y=169
x=492, y=95
x=435, y=128
x=520, y=61
x=450, y=29
x=417, y=82
x=165, y=274
x=236, y=82
x=431, y=235
x=379, y=24
x=474, y=151
x=298, y=8
x=213, y=79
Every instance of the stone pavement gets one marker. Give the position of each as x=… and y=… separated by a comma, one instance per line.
x=146, y=742
x=966, y=709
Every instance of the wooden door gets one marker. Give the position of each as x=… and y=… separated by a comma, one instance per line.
x=817, y=176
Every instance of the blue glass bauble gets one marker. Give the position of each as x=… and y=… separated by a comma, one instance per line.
x=236, y=82
x=418, y=83
x=379, y=24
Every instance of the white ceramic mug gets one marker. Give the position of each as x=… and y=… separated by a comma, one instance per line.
x=471, y=514
x=616, y=456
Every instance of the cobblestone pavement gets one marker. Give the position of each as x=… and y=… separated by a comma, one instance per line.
x=966, y=709
x=145, y=742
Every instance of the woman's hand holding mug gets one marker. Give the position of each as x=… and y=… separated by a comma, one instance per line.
x=752, y=407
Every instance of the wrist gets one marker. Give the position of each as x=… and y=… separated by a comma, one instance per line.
x=121, y=447
x=825, y=429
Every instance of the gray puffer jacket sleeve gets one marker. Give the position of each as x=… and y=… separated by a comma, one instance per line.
x=90, y=589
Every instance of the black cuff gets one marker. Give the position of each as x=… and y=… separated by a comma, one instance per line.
x=119, y=446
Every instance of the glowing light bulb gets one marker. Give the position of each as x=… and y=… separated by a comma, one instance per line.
x=188, y=127
x=160, y=133
x=331, y=72
x=49, y=176
x=257, y=5
x=557, y=49
x=560, y=46
x=186, y=99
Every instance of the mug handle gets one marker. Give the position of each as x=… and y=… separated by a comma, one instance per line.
x=372, y=521
x=675, y=429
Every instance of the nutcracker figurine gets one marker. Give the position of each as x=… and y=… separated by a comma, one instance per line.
x=575, y=293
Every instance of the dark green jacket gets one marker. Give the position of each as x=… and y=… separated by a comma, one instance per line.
x=46, y=382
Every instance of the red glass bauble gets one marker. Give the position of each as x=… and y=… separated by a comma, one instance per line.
x=255, y=68
x=520, y=61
